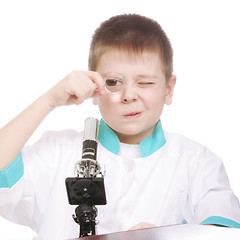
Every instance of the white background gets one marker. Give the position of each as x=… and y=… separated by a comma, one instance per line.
x=42, y=41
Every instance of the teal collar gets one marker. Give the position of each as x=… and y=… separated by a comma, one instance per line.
x=147, y=146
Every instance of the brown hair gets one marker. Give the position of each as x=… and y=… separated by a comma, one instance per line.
x=132, y=33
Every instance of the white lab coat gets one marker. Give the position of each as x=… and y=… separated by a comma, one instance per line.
x=182, y=180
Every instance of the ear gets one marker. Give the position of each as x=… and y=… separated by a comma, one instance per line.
x=170, y=85
x=94, y=101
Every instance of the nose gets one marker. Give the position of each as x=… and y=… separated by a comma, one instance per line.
x=129, y=93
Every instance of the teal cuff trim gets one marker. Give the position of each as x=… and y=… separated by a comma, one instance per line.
x=12, y=173
x=216, y=220
x=149, y=145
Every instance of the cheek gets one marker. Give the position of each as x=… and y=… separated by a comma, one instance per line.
x=113, y=98
x=108, y=103
x=153, y=100
x=108, y=99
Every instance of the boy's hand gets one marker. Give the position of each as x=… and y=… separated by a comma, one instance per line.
x=75, y=88
x=142, y=225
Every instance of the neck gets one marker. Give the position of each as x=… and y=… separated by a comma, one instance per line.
x=136, y=138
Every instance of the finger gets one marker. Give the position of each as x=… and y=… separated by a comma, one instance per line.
x=142, y=225
x=98, y=80
x=92, y=80
x=86, y=91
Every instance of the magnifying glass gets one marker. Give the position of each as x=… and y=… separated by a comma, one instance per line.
x=114, y=83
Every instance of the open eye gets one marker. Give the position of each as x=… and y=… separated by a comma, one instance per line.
x=114, y=83
x=111, y=82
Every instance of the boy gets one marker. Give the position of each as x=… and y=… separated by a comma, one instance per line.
x=153, y=178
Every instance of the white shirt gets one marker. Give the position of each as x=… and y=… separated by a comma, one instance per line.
x=182, y=180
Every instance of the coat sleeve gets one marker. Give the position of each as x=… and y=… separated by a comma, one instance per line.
x=211, y=199
x=23, y=199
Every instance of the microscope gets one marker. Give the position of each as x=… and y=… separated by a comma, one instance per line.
x=87, y=189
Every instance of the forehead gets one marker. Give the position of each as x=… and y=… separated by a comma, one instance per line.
x=130, y=55
x=115, y=60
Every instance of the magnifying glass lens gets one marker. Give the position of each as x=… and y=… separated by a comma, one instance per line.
x=113, y=84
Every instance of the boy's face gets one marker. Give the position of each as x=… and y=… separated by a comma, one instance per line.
x=133, y=112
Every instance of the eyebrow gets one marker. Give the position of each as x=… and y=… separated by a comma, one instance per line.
x=112, y=74
x=138, y=76
x=142, y=76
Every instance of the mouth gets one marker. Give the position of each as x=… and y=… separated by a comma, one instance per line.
x=133, y=115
